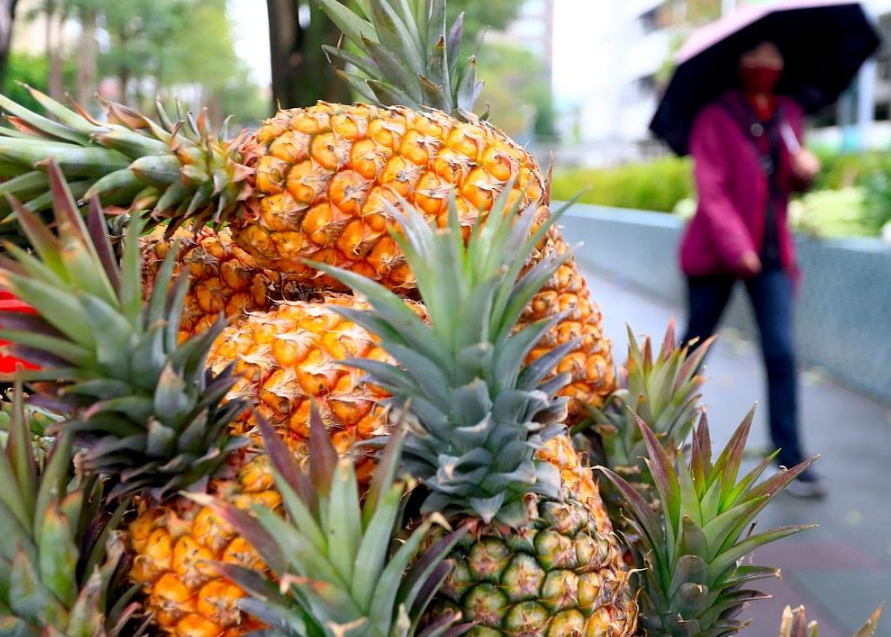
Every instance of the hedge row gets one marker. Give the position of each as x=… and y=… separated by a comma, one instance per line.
x=852, y=196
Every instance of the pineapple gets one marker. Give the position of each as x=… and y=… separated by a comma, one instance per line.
x=795, y=624
x=540, y=558
x=340, y=567
x=224, y=278
x=292, y=356
x=149, y=415
x=692, y=553
x=59, y=552
x=315, y=182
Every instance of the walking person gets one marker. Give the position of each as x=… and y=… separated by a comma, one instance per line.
x=748, y=160
x=735, y=101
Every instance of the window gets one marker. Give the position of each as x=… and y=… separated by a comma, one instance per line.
x=534, y=7
x=650, y=21
x=645, y=87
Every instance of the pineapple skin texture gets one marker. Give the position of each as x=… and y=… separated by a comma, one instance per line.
x=324, y=174
x=556, y=576
x=224, y=279
x=590, y=365
x=171, y=543
x=293, y=355
x=561, y=574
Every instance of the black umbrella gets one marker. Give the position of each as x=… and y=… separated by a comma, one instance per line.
x=823, y=42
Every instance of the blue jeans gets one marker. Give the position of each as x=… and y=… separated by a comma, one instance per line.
x=771, y=294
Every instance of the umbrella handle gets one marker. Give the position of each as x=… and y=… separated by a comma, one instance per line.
x=789, y=138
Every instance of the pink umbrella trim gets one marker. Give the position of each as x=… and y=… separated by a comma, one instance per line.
x=711, y=34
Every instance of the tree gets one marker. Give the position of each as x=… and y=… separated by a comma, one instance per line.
x=7, y=18
x=142, y=34
x=301, y=74
x=517, y=91
x=702, y=11
x=54, y=13
x=494, y=15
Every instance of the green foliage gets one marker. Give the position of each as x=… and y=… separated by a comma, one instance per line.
x=516, y=91
x=702, y=11
x=482, y=16
x=866, y=204
x=834, y=213
x=201, y=46
x=842, y=170
x=31, y=70
x=155, y=46
x=657, y=186
x=409, y=55
x=142, y=33
x=242, y=99
x=851, y=197
x=662, y=389
x=60, y=558
x=92, y=323
x=25, y=69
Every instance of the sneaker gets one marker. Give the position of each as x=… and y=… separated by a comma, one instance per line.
x=807, y=485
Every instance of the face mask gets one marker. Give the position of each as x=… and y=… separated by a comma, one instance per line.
x=760, y=79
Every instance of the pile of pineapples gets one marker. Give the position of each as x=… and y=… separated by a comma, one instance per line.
x=339, y=376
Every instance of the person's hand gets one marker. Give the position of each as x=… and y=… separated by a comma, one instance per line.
x=750, y=263
x=805, y=165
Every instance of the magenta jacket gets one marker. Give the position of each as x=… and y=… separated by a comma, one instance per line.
x=733, y=191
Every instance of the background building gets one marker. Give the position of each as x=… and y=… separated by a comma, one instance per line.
x=605, y=111
x=533, y=29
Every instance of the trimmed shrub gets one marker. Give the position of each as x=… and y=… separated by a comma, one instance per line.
x=657, y=186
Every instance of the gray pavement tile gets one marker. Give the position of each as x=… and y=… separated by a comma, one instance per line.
x=766, y=614
x=849, y=596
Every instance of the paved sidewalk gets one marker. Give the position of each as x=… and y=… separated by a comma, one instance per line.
x=842, y=570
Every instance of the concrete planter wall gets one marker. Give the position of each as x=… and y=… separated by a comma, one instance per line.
x=843, y=316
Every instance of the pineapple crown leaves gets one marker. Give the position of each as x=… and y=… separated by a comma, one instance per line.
x=410, y=56
x=663, y=390
x=174, y=167
x=693, y=550
x=39, y=421
x=59, y=555
x=479, y=414
x=795, y=624
x=145, y=406
x=337, y=565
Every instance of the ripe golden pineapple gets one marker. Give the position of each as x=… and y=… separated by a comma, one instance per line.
x=324, y=177
x=173, y=543
x=224, y=279
x=590, y=364
x=292, y=356
x=287, y=359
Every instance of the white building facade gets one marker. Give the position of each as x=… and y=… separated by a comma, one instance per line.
x=609, y=92
x=607, y=99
